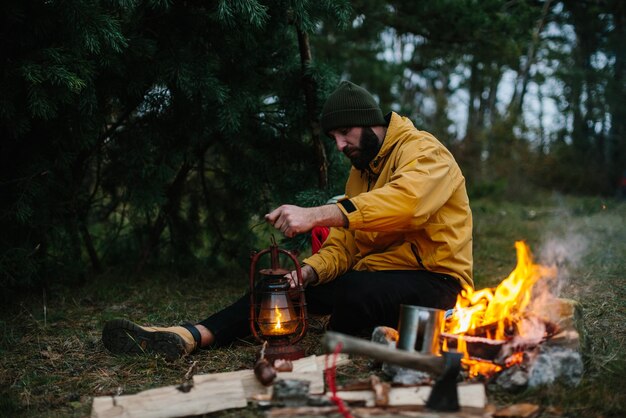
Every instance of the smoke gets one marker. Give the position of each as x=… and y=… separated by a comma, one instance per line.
x=564, y=253
x=565, y=250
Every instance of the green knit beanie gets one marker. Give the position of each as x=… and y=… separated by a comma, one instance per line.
x=350, y=105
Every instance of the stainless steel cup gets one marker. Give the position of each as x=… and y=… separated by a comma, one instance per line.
x=420, y=329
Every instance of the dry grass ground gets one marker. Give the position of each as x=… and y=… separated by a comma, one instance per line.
x=53, y=362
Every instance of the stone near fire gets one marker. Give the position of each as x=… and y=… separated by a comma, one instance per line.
x=291, y=392
x=514, y=379
x=557, y=359
x=556, y=364
x=399, y=375
x=385, y=335
x=410, y=377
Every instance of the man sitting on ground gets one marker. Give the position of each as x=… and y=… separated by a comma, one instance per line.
x=402, y=235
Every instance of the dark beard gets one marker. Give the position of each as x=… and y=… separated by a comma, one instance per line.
x=368, y=148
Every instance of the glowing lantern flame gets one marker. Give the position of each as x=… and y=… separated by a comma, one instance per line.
x=278, y=317
x=493, y=311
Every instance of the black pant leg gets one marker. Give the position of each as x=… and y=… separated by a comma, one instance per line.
x=358, y=301
x=230, y=323
x=233, y=322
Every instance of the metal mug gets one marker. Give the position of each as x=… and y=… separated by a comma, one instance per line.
x=419, y=329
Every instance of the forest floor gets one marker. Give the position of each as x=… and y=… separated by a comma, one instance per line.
x=53, y=362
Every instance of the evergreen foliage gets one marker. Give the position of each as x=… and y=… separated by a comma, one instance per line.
x=158, y=133
x=149, y=132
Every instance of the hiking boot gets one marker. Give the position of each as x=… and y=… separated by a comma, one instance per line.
x=121, y=336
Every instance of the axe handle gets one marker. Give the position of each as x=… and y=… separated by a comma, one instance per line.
x=411, y=360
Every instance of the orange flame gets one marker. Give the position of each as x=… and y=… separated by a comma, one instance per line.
x=278, y=317
x=477, y=368
x=493, y=312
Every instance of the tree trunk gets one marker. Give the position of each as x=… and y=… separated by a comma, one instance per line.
x=310, y=95
x=616, y=146
x=517, y=100
x=174, y=193
x=91, y=250
x=472, y=146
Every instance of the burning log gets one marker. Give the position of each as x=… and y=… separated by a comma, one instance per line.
x=479, y=346
x=475, y=347
x=507, y=327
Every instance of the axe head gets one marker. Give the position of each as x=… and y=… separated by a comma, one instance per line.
x=444, y=395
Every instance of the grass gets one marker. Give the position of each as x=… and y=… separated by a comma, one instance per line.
x=52, y=362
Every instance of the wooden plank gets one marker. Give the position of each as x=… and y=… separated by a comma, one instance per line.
x=341, y=360
x=306, y=364
x=252, y=387
x=308, y=368
x=519, y=410
x=311, y=363
x=470, y=396
x=390, y=412
x=565, y=339
x=219, y=391
x=168, y=401
x=250, y=384
x=565, y=313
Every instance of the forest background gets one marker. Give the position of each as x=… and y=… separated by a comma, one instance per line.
x=141, y=143
x=156, y=134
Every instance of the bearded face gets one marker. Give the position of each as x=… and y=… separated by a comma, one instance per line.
x=361, y=155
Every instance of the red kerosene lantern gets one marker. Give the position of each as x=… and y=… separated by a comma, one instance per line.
x=277, y=311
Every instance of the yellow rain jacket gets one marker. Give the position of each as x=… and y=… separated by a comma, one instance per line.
x=410, y=211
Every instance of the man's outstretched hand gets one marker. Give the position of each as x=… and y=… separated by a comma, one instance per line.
x=293, y=220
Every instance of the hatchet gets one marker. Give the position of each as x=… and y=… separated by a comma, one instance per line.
x=444, y=395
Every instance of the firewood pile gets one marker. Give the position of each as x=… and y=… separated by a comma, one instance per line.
x=206, y=393
x=301, y=389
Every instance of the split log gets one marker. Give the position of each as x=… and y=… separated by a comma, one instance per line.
x=321, y=361
x=208, y=393
x=308, y=368
x=567, y=315
x=170, y=401
x=252, y=387
x=470, y=396
x=398, y=411
x=565, y=339
x=520, y=410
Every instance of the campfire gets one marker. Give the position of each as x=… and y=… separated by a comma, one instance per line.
x=494, y=327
